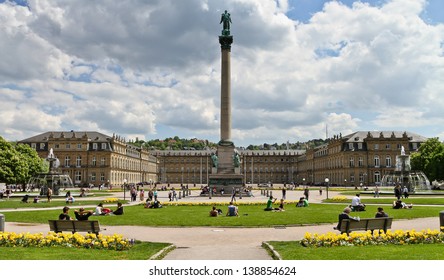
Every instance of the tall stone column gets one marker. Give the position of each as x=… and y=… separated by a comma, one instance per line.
x=225, y=93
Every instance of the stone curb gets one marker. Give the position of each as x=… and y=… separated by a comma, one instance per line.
x=274, y=254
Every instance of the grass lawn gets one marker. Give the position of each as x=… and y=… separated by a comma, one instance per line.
x=17, y=204
x=293, y=250
x=140, y=251
x=250, y=216
x=433, y=200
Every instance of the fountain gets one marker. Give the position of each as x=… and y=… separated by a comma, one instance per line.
x=403, y=175
x=52, y=179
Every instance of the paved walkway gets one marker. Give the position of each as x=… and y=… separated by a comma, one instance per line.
x=200, y=243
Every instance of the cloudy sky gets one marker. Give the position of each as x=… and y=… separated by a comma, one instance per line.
x=151, y=69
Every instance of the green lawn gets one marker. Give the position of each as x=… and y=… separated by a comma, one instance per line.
x=17, y=204
x=250, y=216
x=294, y=251
x=433, y=200
x=140, y=251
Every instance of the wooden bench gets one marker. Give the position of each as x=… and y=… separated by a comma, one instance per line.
x=74, y=226
x=348, y=226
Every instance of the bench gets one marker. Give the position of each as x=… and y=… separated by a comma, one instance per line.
x=348, y=226
x=74, y=226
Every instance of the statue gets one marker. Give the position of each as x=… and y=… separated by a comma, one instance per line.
x=226, y=20
x=402, y=151
x=236, y=159
x=215, y=160
x=51, y=153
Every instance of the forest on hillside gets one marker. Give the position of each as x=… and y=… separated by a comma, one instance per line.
x=176, y=143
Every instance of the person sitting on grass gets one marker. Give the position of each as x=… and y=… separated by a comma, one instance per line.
x=101, y=211
x=36, y=199
x=270, y=203
x=281, y=206
x=356, y=204
x=214, y=212
x=303, y=202
x=399, y=204
x=25, y=199
x=153, y=204
x=82, y=215
x=70, y=199
x=232, y=210
x=119, y=210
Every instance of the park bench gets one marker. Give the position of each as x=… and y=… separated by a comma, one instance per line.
x=74, y=226
x=348, y=226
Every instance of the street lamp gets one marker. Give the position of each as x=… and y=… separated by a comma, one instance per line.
x=125, y=181
x=303, y=181
x=326, y=185
x=345, y=182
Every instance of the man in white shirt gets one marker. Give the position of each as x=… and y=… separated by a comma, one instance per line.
x=356, y=204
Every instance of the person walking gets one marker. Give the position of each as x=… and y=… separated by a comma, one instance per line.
x=306, y=193
x=376, y=192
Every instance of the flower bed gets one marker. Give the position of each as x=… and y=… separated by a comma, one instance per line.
x=398, y=237
x=111, y=200
x=76, y=240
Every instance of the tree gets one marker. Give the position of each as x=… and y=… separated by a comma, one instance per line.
x=18, y=163
x=430, y=159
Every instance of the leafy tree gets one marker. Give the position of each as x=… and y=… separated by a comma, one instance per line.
x=18, y=163
x=430, y=159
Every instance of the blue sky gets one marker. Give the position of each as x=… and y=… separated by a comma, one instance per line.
x=151, y=69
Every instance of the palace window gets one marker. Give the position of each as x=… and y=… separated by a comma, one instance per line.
x=94, y=161
x=78, y=176
x=67, y=161
x=388, y=161
x=361, y=162
x=377, y=177
x=377, y=161
x=79, y=161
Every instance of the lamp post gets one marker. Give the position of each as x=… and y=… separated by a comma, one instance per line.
x=326, y=185
x=303, y=182
x=345, y=182
x=125, y=181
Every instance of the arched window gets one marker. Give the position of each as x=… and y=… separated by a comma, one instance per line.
x=377, y=161
x=388, y=161
x=377, y=177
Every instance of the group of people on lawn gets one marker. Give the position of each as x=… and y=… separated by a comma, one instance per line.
x=83, y=215
x=234, y=211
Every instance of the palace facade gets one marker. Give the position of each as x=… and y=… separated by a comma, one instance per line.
x=362, y=157
x=95, y=158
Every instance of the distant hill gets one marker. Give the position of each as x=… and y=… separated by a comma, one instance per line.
x=176, y=143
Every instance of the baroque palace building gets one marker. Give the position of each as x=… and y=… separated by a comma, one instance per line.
x=360, y=158
x=93, y=158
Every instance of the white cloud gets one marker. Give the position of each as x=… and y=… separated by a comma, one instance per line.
x=129, y=67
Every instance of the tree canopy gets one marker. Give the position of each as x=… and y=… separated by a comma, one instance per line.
x=18, y=163
x=430, y=159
